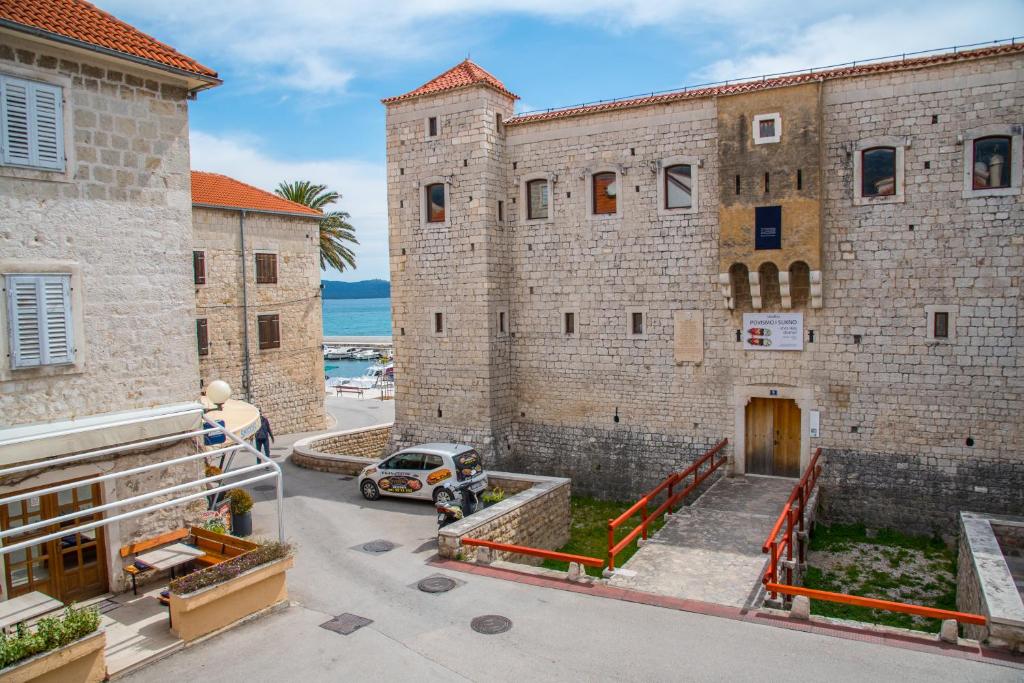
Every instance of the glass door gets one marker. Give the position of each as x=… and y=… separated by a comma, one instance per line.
x=28, y=569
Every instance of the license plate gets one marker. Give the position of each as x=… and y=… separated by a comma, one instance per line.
x=478, y=487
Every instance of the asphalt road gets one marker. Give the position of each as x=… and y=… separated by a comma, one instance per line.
x=556, y=635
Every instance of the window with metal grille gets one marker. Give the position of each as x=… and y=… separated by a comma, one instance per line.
x=39, y=315
x=269, y=327
x=199, y=267
x=266, y=269
x=32, y=124
x=202, y=337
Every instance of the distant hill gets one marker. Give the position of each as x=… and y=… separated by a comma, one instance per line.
x=364, y=289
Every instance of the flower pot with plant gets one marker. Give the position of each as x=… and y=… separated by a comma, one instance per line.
x=241, y=515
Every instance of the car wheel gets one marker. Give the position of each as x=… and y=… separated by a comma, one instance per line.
x=369, y=489
x=443, y=495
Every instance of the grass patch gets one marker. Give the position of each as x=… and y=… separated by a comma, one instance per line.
x=589, y=532
x=888, y=565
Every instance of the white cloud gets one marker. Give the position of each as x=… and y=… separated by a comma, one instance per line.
x=361, y=184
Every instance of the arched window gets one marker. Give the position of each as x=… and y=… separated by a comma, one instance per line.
x=771, y=296
x=878, y=172
x=992, y=162
x=739, y=281
x=799, y=283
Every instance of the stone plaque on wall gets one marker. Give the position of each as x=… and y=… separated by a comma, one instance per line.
x=689, y=337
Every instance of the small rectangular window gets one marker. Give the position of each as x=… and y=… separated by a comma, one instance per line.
x=39, y=315
x=940, y=327
x=992, y=162
x=32, y=124
x=439, y=323
x=878, y=172
x=636, y=325
x=767, y=183
x=737, y=184
x=269, y=328
x=432, y=127
x=203, y=337
x=570, y=323
x=537, y=199
x=679, y=186
x=799, y=179
x=766, y=128
x=501, y=322
x=199, y=267
x=266, y=268
x=498, y=123
x=605, y=191
x=435, y=203
x=501, y=211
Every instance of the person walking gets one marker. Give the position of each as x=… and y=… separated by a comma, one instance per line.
x=264, y=435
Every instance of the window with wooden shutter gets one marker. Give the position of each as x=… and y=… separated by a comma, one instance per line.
x=266, y=269
x=39, y=316
x=31, y=124
x=202, y=337
x=269, y=326
x=199, y=267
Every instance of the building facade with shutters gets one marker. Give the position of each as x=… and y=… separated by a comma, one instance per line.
x=831, y=259
x=97, y=334
x=256, y=272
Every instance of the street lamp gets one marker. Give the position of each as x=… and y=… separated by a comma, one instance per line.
x=218, y=392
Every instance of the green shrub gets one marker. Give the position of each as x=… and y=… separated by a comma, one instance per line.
x=216, y=525
x=492, y=496
x=266, y=553
x=48, y=634
x=241, y=501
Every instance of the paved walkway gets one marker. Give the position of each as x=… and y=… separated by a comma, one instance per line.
x=711, y=551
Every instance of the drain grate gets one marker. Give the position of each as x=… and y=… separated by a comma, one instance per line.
x=346, y=624
x=378, y=546
x=436, y=584
x=491, y=624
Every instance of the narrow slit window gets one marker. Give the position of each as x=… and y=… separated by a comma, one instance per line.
x=992, y=162
x=636, y=324
x=570, y=323
x=432, y=126
x=767, y=183
x=501, y=211
x=679, y=186
x=501, y=322
x=537, y=199
x=435, y=203
x=878, y=172
x=438, y=323
x=605, y=190
x=940, y=325
x=799, y=179
x=737, y=184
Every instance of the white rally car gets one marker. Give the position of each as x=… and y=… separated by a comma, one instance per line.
x=429, y=471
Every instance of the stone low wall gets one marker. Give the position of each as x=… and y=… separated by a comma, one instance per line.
x=538, y=516
x=346, y=452
x=984, y=582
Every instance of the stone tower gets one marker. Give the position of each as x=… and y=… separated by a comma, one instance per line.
x=450, y=261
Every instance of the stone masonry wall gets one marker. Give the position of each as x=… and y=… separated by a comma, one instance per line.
x=370, y=442
x=287, y=382
x=119, y=219
x=905, y=418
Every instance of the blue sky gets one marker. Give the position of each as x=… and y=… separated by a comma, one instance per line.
x=303, y=79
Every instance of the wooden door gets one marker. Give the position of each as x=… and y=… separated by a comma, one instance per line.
x=773, y=437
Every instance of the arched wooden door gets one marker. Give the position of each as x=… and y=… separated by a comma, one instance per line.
x=773, y=437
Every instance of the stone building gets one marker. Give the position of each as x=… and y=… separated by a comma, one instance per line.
x=97, y=335
x=258, y=317
x=831, y=259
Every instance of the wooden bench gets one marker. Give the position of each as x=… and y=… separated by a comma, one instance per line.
x=343, y=389
x=133, y=570
x=218, y=547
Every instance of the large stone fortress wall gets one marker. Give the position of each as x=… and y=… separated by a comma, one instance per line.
x=914, y=428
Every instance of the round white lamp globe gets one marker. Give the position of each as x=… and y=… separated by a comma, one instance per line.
x=218, y=392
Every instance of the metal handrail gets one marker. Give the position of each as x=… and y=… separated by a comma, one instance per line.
x=875, y=603
x=793, y=518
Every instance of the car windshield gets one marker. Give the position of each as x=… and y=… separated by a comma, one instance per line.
x=468, y=465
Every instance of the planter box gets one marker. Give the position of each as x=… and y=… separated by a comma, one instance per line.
x=82, y=661
x=216, y=607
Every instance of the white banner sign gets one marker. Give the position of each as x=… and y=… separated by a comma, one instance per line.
x=773, y=331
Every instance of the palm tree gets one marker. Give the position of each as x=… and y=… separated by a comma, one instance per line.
x=335, y=229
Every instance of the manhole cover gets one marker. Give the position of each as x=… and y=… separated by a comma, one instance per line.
x=345, y=478
x=436, y=584
x=346, y=623
x=265, y=487
x=491, y=624
x=378, y=546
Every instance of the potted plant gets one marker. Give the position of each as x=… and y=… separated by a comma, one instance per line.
x=241, y=515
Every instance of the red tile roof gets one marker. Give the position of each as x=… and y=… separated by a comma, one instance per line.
x=461, y=75
x=764, y=84
x=214, y=189
x=83, y=22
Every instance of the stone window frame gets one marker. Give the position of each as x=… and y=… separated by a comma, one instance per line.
x=929, y=330
x=900, y=144
x=588, y=180
x=67, y=174
x=694, y=163
x=432, y=322
x=630, y=311
x=575, y=322
x=524, y=199
x=756, y=128
x=426, y=127
x=498, y=320
x=422, y=190
x=1016, y=134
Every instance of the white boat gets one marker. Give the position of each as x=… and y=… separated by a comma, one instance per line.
x=337, y=352
x=372, y=377
x=365, y=354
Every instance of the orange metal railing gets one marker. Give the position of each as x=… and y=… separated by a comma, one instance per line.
x=673, y=498
x=536, y=552
x=792, y=518
x=919, y=610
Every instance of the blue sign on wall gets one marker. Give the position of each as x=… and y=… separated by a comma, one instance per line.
x=768, y=227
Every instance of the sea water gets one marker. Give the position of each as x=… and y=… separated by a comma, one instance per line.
x=354, y=318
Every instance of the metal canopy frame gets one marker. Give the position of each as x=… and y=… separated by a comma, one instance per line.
x=264, y=469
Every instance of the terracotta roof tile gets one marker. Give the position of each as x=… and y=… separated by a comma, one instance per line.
x=764, y=84
x=84, y=22
x=461, y=75
x=214, y=189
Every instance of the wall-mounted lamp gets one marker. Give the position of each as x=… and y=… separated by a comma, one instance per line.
x=554, y=178
x=616, y=418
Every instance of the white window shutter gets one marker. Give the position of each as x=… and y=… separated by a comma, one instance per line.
x=39, y=311
x=16, y=127
x=31, y=123
x=48, y=143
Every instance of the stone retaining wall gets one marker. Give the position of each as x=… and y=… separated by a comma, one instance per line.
x=538, y=516
x=346, y=452
x=985, y=584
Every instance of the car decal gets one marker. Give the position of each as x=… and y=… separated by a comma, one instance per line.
x=438, y=476
x=400, y=484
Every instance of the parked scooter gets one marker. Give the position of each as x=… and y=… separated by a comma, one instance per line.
x=464, y=502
